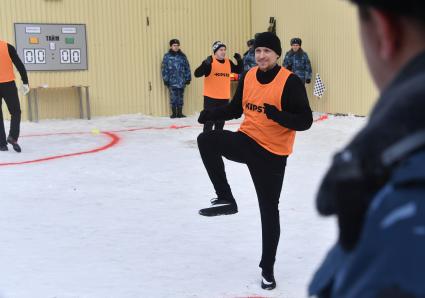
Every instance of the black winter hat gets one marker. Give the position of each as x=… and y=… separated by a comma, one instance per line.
x=174, y=41
x=296, y=40
x=268, y=40
x=216, y=45
x=413, y=8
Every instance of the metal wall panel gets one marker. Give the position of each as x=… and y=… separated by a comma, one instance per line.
x=126, y=40
x=329, y=31
x=197, y=24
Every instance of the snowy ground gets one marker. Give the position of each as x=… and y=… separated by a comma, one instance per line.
x=124, y=223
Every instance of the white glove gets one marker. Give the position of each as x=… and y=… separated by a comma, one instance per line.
x=25, y=89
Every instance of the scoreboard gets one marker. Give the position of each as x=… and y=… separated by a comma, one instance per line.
x=52, y=46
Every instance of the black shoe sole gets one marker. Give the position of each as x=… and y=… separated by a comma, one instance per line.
x=15, y=147
x=216, y=211
x=268, y=286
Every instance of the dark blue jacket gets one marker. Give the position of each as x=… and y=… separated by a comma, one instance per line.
x=389, y=256
x=175, y=69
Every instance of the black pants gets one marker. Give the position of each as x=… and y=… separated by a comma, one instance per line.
x=266, y=169
x=9, y=92
x=210, y=104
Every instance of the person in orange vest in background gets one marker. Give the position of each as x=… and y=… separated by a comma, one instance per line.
x=275, y=105
x=216, y=70
x=9, y=92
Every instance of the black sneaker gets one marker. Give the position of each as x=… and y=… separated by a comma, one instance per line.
x=4, y=148
x=14, y=144
x=220, y=207
x=267, y=282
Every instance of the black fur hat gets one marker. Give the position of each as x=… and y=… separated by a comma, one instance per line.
x=296, y=40
x=174, y=41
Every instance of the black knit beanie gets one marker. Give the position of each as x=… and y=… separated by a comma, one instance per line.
x=268, y=40
x=216, y=45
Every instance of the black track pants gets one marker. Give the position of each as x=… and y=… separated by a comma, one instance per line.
x=9, y=93
x=267, y=171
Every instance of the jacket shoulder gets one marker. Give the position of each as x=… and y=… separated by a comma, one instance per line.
x=411, y=171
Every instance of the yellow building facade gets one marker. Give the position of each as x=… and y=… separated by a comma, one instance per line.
x=127, y=39
x=329, y=31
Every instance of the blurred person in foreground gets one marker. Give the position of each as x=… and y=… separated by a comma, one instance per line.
x=376, y=184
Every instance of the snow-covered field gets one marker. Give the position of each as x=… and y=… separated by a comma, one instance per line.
x=123, y=222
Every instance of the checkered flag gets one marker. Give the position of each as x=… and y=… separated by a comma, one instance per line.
x=319, y=87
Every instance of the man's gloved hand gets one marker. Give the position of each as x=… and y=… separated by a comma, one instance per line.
x=205, y=116
x=208, y=61
x=25, y=89
x=237, y=56
x=271, y=111
x=187, y=82
x=308, y=81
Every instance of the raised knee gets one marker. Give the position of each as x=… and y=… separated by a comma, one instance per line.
x=205, y=138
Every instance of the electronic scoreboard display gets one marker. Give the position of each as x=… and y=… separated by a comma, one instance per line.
x=52, y=46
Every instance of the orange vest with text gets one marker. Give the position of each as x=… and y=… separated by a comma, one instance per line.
x=266, y=132
x=217, y=84
x=6, y=66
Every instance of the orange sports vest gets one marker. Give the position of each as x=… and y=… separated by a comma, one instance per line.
x=6, y=66
x=266, y=132
x=217, y=84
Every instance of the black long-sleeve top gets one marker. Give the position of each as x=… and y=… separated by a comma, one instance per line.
x=18, y=63
x=296, y=112
x=205, y=68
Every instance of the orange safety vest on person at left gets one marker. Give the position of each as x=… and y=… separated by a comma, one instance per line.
x=266, y=132
x=217, y=84
x=6, y=65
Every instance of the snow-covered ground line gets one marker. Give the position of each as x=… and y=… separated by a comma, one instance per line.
x=124, y=222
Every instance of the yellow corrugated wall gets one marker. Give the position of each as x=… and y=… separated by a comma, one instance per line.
x=329, y=31
x=125, y=53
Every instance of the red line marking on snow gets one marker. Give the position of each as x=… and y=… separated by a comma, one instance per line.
x=113, y=137
x=321, y=118
x=173, y=126
x=114, y=140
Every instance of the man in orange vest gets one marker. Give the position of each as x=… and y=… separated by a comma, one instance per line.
x=216, y=70
x=9, y=92
x=275, y=105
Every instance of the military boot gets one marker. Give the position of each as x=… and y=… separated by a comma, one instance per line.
x=180, y=113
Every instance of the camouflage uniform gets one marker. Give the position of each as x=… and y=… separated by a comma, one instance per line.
x=176, y=75
x=299, y=63
x=249, y=60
